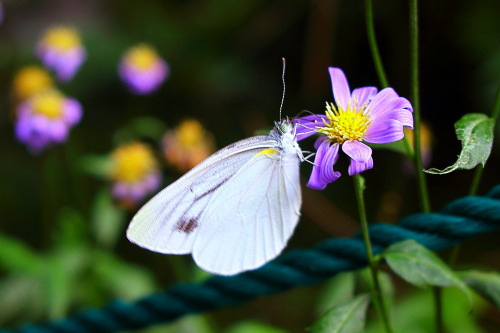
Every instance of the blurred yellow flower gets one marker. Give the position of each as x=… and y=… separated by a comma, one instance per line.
x=31, y=80
x=187, y=145
x=48, y=103
x=61, y=38
x=134, y=172
x=141, y=56
x=425, y=142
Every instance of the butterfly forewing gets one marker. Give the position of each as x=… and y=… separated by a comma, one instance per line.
x=169, y=222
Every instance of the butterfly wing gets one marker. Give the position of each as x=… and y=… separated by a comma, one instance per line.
x=252, y=215
x=170, y=221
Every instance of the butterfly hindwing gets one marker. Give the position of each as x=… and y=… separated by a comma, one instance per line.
x=252, y=216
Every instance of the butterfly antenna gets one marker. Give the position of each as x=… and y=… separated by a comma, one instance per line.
x=283, y=81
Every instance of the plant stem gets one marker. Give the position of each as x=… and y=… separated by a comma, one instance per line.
x=376, y=290
x=415, y=97
x=438, y=306
x=370, y=30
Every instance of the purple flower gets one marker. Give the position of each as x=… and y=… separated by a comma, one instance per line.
x=61, y=50
x=363, y=115
x=142, y=69
x=46, y=118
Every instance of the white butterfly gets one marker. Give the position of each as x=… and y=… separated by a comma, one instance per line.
x=234, y=211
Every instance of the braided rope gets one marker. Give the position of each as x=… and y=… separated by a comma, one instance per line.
x=459, y=220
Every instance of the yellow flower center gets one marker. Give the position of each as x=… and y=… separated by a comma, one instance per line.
x=133, y=162
x=345, y=125
x=62, y=38
x=48, y=103
x=141, y=56
x=31, y=80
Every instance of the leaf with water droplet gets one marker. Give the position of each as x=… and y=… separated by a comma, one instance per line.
x=475, y=130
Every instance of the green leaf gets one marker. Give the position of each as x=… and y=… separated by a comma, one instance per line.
x=107, y=219
x=142, y=127
x=338, y=289
x=475, y=130
x=421, y=267
x=21, y=296
x=17, y=257
x=99, y=166
x=57, y=287
x=348, y=317
x=414, y=313
x=252, y=326
x=122, y=279
x=486, y=284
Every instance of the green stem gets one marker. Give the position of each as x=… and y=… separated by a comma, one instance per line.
x=370, y=29
x=438, y=306
x=376, y=290
x=415, y=97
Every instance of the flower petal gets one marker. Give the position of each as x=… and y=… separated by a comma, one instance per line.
x=306, y=126
x=404, y=116
x=340, y=87
x=387, y=99
x=319, y=141
x=361, y=96
x=57, y=131
x=357, y=151
x=322, y=172
x=384, y=132
x=328, y=175
x=357, y=167
x=72, y=111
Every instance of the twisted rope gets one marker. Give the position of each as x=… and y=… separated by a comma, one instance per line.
x=459, y=220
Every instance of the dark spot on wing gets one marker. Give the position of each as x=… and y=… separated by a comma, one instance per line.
x=212, y=190
x=186, y=226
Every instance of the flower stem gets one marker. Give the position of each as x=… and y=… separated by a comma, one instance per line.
x=376, y=290
x=370, y=29
x=438, y=306
x=415, y=97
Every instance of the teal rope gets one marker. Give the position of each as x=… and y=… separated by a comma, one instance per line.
x=459, y=220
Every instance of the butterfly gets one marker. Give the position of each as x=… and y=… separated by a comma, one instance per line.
x=234, y=211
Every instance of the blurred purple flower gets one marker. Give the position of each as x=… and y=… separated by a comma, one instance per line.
x=46, y=118
x=142, y=69
x=60, y=50
x=363, y=115
x=135, y=173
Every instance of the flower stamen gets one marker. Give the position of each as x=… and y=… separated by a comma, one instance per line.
x=345, y=125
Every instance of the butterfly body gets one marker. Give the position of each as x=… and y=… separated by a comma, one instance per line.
x=234, y=211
